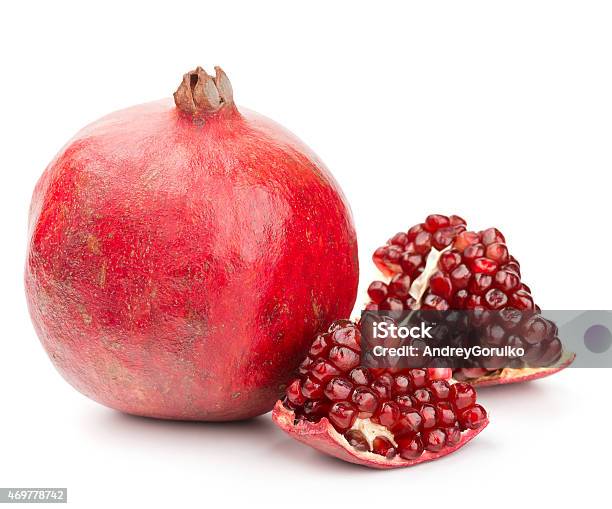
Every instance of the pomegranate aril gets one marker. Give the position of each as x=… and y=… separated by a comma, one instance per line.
x=411, y=263
x=449, y=260
x=443, y=238
x=384, y=447
x=484, y=265
x=457, y=220
x=495, y=299
x=495, y=335
x=381, y=389
x=473, y=418
x=414, y=231
x=460, y=277
x=294, y=393
x=312, y=388
x=380, y=260
x=360, y=376
x=497, y=252
x=513, y=266
x=434, y=302
x=522, y=300
x=399, y=286
x=386, y=378
x=320, y=346
x=347, y=336
x=422, y=396
x=428, y=413
x=445, y=415
x=462, y=396
x=399, y=239
x=338, y=389
x=365, y=400
x=434, y=222
x=342, y=415
x=506, y=281
x=536, y=329
x=305, y=366
x=344, y=358
x=551, y=353
x=387, y=414
x=378, y=291
x=418, y=378
x=409, y=422
x=357, y=440
x=434, y=440
x=410, y=447
x=323, y=370
x=464, y=240
x=401, y=385
x=480, y=283
x=440, y=389
x=491, y=236
x=435, y=373
x=422, y=243
x=474, y=251
x=406, y=402
x=441, y=285
x=473, y=302
x=453, y=435
x=510, y=318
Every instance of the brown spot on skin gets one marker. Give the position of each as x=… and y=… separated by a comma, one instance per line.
x=102, y=275
x=236, y=395
x=316, y=308
x=85, y=315
x=93, y=244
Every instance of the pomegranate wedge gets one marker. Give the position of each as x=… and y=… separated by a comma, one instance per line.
x=440, y=265
x=379, y=418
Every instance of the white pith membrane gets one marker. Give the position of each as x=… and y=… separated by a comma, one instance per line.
x=369, y=429
x=421, y=283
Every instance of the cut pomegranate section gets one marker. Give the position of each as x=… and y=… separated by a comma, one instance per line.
x=380, y=418
x=451, y=268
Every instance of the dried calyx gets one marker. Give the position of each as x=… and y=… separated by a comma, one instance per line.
x=200, y=93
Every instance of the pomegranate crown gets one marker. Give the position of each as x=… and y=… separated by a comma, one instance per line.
x=201, y=93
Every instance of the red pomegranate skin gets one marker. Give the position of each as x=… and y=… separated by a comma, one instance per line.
x=178, y=267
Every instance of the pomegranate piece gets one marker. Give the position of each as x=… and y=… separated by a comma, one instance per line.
x=174, y=266
x=376, y=417
x=471, y=271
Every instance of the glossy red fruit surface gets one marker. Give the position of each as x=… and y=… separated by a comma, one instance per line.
x=471, y=271
x=171, y=248
x=378, y=417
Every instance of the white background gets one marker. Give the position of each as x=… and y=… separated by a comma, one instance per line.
x=498, y=111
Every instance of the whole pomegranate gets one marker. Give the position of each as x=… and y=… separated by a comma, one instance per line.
x=182, y=256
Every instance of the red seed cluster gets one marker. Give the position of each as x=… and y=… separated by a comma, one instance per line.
x=421, y=413
x=475, y=272
x=407, y=252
